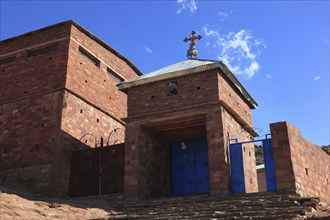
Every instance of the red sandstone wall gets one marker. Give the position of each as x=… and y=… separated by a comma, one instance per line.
x=236, y=131
x=93, y=106
x=233, y=99
x=218, y=164
x=150, y=151
x=29, y=129
x=262, y=186
x=108, y=58
x=92, y=82
x=83, y=126
x=193, y=89
x=132, y=163
x=146, y=164
x=31, y=101
x=300, y=165
x=38, y=37
x=35, y=144
x=84, y=122
x=29, y=137
x=250, y=171
x=30, y=75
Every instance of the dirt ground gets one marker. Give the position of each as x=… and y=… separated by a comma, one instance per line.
x=19, y=203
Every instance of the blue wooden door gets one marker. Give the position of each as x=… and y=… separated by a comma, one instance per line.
x=236, y=169
x=202, y=166
x=190, y=173
x=269, y=165
x=183, y=171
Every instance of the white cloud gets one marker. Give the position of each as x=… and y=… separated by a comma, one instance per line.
x=224, y=15
x=260, y=43
x=238, y=50
x=268, y=76
x=317, y=78
x=186, y=5
x=148, y=50
x=193, y=6
x=210, y=33
x=252, y=69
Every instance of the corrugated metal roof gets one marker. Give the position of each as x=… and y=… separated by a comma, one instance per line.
x=183, y=65
x=187, y=67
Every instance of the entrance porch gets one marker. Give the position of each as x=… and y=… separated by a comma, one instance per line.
x=175, y=155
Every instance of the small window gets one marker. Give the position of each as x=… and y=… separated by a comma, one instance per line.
x=114, y=76
x=171, y=88
x=89, y=56
x=7, y=60
x=36, y=52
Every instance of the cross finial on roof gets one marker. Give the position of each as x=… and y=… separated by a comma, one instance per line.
x=192, y=52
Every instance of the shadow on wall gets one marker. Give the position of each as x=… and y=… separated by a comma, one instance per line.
x=52, y=177
x=44, y=176
x=97, y=171
x=88, y=162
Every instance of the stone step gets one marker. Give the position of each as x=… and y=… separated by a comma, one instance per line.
x=213, y=210
x=221, y=214
x=236, y=200
x=215, y=203
x=266, y=206
x=147, y=214
x=210, y=216
x=275, y=207
x=201, y=216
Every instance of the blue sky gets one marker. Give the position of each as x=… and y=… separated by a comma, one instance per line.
x=279, y=50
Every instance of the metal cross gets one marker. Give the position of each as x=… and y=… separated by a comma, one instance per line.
x=192, y=38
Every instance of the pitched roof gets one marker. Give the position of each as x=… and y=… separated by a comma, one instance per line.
x=188, y=67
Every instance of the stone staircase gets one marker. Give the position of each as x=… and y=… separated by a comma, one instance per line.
x=249, y=206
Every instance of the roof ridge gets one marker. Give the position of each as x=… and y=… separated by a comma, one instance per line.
x=216, y=61
x=174, y=64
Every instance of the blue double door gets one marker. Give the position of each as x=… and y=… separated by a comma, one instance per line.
x=237, y=168
x=190, y=167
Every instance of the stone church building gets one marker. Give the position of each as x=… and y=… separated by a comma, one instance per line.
x=77, y=115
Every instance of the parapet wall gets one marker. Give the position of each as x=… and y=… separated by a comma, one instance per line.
x=301, y=166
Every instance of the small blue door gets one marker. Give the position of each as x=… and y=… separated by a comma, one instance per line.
x=269, y=165
x=236, y=169
x=190, y=173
